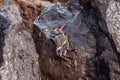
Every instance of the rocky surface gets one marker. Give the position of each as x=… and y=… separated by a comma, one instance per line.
x=91, y=26
x=113, y=21
x=19, y=59
x=86, y=27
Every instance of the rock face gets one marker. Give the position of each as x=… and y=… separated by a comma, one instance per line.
x=48, y=20
x=18, y=55
x=113, y=21
x=88, y=29
x=91, y=26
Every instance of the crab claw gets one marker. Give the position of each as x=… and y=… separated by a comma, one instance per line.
x=61, y=52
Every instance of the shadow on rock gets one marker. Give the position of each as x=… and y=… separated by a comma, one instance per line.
x=4, y=23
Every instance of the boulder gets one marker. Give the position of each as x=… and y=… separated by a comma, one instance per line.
x=19, y=59
x=88, y=30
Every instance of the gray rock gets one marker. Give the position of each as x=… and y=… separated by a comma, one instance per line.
x=89, y=30
x=91, y=26
x=20, y=60
x=113, y=21
x=79, y=36
x=49, y=20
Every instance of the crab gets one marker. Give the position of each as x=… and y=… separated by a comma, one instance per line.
x=61, y=41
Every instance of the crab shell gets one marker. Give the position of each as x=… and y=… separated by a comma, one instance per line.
x=60, y=40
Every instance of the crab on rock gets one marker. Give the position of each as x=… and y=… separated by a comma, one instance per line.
x=61, y=41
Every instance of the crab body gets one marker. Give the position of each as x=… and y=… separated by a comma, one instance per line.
x=61, y=41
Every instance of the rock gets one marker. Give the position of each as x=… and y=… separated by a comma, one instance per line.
x=48, y=20
x=91, y=26
x=113, y=21
x=79, y=37
x=19, y=58
x=97, y=57
x=106, y=45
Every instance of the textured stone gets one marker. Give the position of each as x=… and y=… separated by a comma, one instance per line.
x=91, y=26
x=113, y=21
x=86, y=27
x=79, y=37
x=20, y=60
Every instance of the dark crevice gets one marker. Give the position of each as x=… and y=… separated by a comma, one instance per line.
x=2, y=38
x=37, y=39
x=99, y=33
x=4, y=24
x=43, y=48
x=107, y=34
x=102, y=69
x=93, y=18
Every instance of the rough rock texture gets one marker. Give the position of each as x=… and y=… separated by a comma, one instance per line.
x=92, y=26
x=86, y=27
x=17, y=51
x=113, y=21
